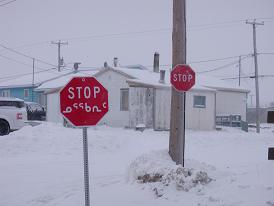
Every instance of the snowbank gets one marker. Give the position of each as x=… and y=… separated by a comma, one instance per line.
x=159, y=171
x=43, y=166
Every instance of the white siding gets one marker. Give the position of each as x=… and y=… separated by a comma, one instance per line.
x=141, y=106
x=200, y=118
x=231, y=103
x=113, y=82
x=162, y=109
x=53, y=108
x=196, y=118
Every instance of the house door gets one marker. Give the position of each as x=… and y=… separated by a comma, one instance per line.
x=141, y=106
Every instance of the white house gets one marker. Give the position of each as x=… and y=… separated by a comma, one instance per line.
x=150, y=103
x=136, y=96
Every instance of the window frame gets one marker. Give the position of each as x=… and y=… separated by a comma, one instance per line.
x=124, y=106
x=26, y=96
x=201, y=103
x=5, y=93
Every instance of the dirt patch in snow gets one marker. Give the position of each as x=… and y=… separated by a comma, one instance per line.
x=157, y=170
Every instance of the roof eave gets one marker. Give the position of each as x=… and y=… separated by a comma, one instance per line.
x=230, y=89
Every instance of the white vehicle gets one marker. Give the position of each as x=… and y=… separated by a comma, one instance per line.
x=13, y=114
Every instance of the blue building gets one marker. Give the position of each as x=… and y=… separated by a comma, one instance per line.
x=22, y=87
x=25, y=92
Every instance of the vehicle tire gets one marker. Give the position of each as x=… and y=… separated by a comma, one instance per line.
x=4, y=127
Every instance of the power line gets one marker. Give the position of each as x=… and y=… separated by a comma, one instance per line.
x=7, y=3
x=249, y=77
x=218, y=68
x=203, y=61
x=217, y=59
x=27, y=56
x=211, y=25
x=224, y=66
x=270, y=53
x=19, y=62
x=22, y=63
x=228, y=22
x=7, y=78
x=193, y=27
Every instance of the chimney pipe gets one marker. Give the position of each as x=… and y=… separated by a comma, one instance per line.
x=105, y=65
x=115, y=62
x=162, y=76
x=76, y=66
x=156, y=62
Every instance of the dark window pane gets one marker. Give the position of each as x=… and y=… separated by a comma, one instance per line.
x=124, y=99
x=199, y=101
x=18, y=104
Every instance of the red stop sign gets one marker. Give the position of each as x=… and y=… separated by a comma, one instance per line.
x=83, y=101
x=182, y=77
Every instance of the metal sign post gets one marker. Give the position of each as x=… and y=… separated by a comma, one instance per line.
x=83, y=102
x=86, y=172
x=184, y=131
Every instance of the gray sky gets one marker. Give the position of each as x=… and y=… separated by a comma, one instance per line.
x=99, y=30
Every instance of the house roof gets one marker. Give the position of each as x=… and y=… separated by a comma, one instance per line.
x=213, y=82
x=144, y=77
x=63, y=80
x=39, y=78
x=150, y=78
x=203, y=82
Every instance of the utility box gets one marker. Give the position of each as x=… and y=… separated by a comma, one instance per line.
x=271, y=153
x=244, y=126
x=270, y=117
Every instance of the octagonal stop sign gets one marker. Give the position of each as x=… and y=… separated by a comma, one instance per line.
x=83, y=101
x=182, y=77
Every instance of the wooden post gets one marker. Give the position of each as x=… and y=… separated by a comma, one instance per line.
x=177, y=130
x=254, y=24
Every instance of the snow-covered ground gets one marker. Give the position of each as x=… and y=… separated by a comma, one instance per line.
x=43, y=166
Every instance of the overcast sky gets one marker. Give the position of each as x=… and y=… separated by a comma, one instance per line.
x=98, y=30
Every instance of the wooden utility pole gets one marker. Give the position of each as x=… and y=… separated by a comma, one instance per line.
x=177, y=127
x=59, y=44
x=240, y=65
x=254, y=24
x=32, y=93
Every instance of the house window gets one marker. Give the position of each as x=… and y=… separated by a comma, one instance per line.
x=199, y=102
x=26, y=93
x=6, y=93
x=124, y=99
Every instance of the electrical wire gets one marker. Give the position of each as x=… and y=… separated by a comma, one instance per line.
x=191, y=27
x=224, y=66
x=249, y=77
x=217, y=59
x=24, y=74
x=203, y=61
x=23, y=63
x=7, y=3
x=27, y=56
x=218, y=68
x=14, y=60
x=267, y=53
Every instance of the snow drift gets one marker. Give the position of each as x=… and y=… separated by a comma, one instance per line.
x=158, y=171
